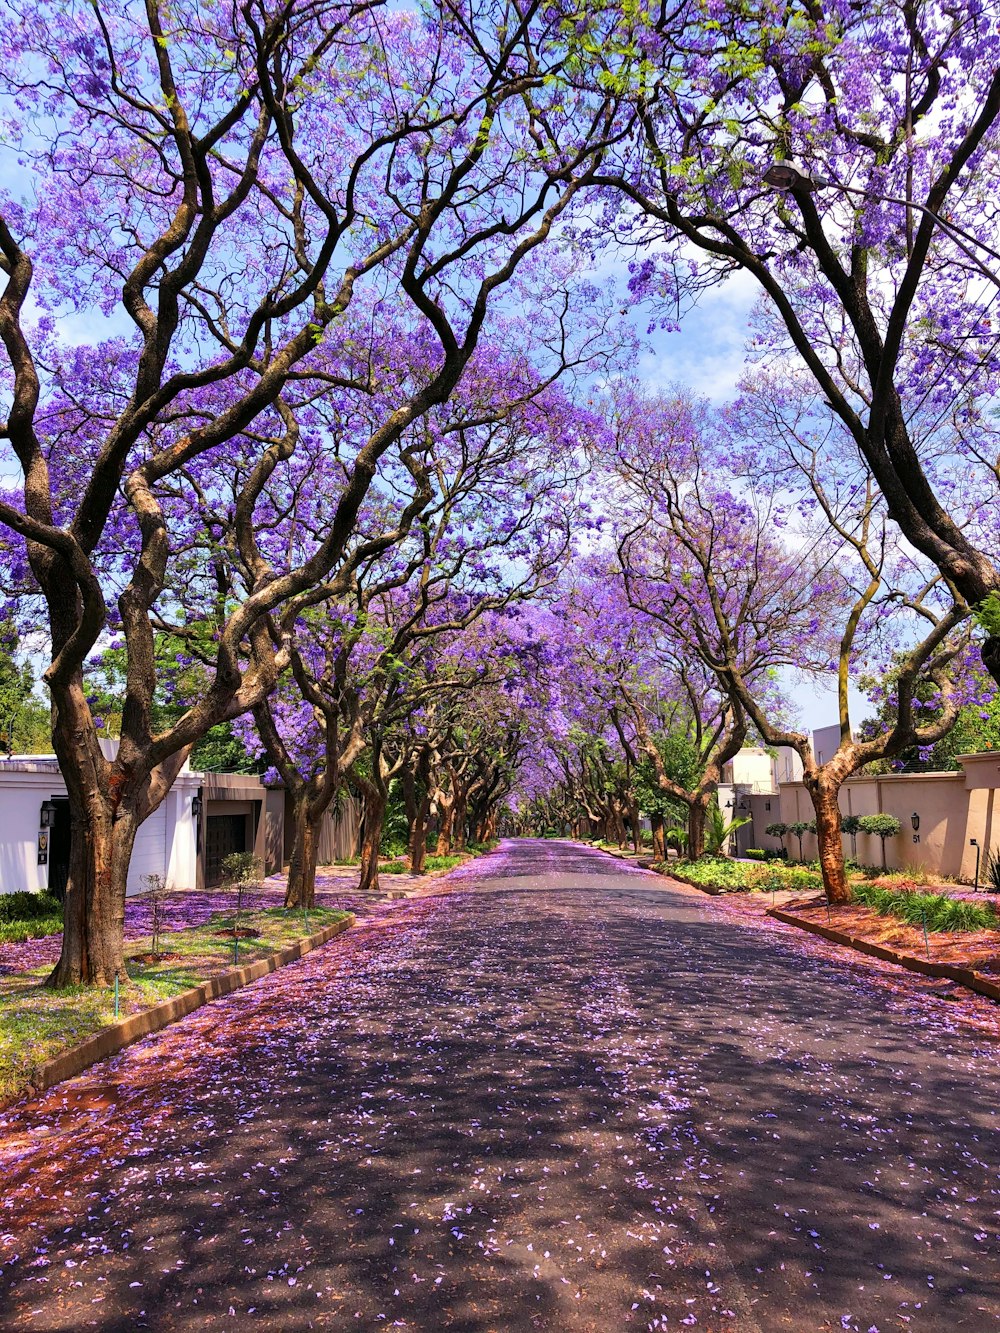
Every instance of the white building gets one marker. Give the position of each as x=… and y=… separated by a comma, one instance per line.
x=759, y=772
x=204, y=817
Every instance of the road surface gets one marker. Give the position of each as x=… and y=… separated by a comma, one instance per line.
x=561, y=1095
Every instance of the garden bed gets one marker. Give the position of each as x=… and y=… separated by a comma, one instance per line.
x=38, y=1024
x=970, y=957
x=719, y=875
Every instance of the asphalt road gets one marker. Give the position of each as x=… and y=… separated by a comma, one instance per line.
x=560, y=1096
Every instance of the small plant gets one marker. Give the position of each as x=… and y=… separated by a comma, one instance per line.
x=777, y=830
x=772, y=883
x=800, y=827
x=756, y=854
x=881, y=826
x=991, y=871
x=155, y=886
x=241, y=869
x=393, y=868
x=850, y=824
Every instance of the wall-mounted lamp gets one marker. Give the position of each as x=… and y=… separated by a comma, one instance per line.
x=47, y=814
x=915, y=821
x=196, y=806
x=767, y=805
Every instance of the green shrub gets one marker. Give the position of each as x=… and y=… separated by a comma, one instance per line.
x=393, y=868
x=767, y=854
x=23, y=906
x=936, y=909
x=882, y=826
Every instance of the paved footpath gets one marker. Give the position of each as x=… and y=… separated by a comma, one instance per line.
x=559, y=1095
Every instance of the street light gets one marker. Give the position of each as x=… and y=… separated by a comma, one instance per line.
x=785, y=176
x=789, y=179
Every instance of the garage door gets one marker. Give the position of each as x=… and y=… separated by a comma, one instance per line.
x=223, y=834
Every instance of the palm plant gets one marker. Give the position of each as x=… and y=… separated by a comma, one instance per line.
x=718, y=832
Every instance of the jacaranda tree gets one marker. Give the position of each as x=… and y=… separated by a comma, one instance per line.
x=224, y=198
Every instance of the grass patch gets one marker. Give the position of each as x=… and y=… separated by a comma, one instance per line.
x=393, y=868
x=443, y=862
x=16, y=932
x=37, y=1023
x=938, y=910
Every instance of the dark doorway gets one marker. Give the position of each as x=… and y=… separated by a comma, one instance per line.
x=223, y=834
x=59, y=846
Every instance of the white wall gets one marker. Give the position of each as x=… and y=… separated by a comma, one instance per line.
x=826, y=742
x=165, y=844
x=20, y=807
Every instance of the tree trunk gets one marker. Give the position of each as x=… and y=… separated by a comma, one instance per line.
x=447, y=808
x=635, y=820
x=300, y=891
x=101, y=842
x=375, y=804
x=418, y=837
x=697, y=816
x=408, y=782
x=618, y=825
x=831, y=847
x=458, y=824
x=659, y=838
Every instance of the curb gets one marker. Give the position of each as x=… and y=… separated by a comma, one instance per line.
x=112, y=1039
x=951, y=971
